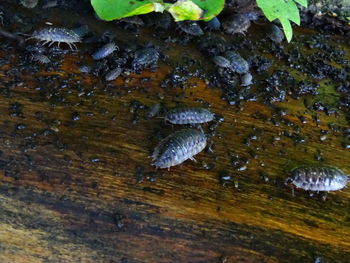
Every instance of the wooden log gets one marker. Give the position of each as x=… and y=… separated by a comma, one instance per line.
x=77, y=183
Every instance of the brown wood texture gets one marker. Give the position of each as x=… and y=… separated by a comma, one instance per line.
x=84, y=190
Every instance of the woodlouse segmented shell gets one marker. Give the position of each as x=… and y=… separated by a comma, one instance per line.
x=40, y=58
x=238, y=63
x=54, y=34
x=178, y=147
x=221, y=62
x=237, y=23
x=145, y=57
x=113, y=74
x=190, y=27
x=324, y=178
x=189, y=116
x=104, y=51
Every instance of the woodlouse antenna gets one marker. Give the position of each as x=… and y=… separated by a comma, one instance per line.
x=29, y=38
x=288, y=181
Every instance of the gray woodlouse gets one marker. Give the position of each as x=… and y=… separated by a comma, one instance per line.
x=145, y=57
x=238, y=63
x=154, y=110
x=246, y=79
x=53, y=34
x=178, y=147
x=190, y=27
x=104, y=51
x=41, y=58
x=222, y=62
x=324, y=178
x=113, y=74
x=189, y=116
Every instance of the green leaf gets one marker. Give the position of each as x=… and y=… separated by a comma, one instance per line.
x=287, y=28
x=212, y=7
x=302, y=2
x=292, y=11
x=284, y=10
x=269, y=8
x=185, y=10
x=114, y=9
x=160, y=7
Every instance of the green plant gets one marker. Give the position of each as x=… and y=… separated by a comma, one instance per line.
x=284, y=10
x=181, y=10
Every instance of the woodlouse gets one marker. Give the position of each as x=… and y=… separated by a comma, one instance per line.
x=275, y=33
x=214, y=23
x=54, y=34
x=154, y=110
x=237, y=23
x=222, y=62
x=189, y=116
x=178, y=147
x=41, y=58
x=238, y=63
x=246, y=79
x=104, y=51
x=29, y=3
x=145, y=57
x=190, y=27
x=113, y=74
x=324, y=178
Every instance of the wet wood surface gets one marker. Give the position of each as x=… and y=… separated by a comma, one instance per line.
x=77, y=185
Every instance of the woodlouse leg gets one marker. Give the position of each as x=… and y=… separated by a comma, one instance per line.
x=59, y=44
x=200, y=128
x=75, y=46
x=45, y=42
x=51, y=43
x=29, y=38
x=209, y=147
x=193, y=159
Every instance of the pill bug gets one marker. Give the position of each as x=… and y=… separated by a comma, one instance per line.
x=324, y=178
x=153, y=110
x=222, y=62
x=190, y=27
x=41, y=58
x=189, y=116
x=145, y=57
x=85, y=69
x=214, y=23
x=246, y=79
x=237, y=23
x=104, y=51
x=238, y=63
x=113, y=74
x=54, y=34
x=178, y=147
x=29, y=3
x=275, y=33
